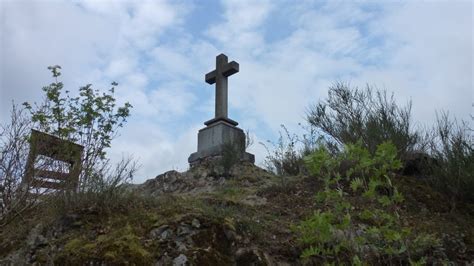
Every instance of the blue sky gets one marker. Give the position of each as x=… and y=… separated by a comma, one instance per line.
x=289, y=52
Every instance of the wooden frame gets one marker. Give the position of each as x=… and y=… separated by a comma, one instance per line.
x=59, y=150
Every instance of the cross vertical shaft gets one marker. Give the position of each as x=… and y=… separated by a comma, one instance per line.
x=219, y=76
x=221, y=88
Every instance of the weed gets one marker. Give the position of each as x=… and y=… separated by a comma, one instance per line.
x=285, y=158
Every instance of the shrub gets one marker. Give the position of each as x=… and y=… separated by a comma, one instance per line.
x=13, y=155
x=372, y=116
x=342, y=231
x=444, y=153
x=452, y=148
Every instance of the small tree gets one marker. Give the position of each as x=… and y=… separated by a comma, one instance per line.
x=90, y=119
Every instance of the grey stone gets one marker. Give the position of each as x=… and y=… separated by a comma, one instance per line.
x=180, y=246
x=184, y=229
x=166, y=234
x=254, y=256
x=230, y=234
x=180, y=260
x=218, y=134
x=35, y=238
x=160, y=232
x=164, y=260
x=213, y=138
x=195, y=223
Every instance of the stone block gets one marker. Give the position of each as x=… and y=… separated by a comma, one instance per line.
x=213, y=138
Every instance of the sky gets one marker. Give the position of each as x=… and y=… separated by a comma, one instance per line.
x=290, y=53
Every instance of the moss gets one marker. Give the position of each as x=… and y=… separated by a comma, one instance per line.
x=118, y=247
x=231, y=193
x=123, y=245
x=77, y=250
x=74, y=245
x=42, y=256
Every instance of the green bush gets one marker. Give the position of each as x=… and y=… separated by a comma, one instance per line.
x=372, y=116
x=340, y=231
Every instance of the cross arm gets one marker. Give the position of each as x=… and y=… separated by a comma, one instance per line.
x=211, y=77
x=230, y=69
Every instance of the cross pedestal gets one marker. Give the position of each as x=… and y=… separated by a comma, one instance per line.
x=221, y=130
x=212, y=141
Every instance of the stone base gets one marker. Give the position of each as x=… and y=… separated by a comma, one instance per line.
x=216, y=159
x=213, y=139
x=218, y=119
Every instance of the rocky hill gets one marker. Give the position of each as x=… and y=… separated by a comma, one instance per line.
x=203, y=217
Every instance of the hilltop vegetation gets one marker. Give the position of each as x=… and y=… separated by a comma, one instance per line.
x=361, y=187
x=252, y=217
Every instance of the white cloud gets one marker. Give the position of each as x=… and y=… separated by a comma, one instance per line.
x=141, y=23
x=172, y=100
x=39, y=34
x=432, y=63
x=121, y=66
x=157, y=149
x=172, y=63
x=242, y=28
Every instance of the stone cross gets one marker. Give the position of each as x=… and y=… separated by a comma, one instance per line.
x=214, y=139
x=219, y=76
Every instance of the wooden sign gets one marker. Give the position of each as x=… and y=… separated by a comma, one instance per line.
x=51, y=147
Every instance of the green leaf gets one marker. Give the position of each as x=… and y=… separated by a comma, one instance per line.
x=356, y=261
x=310, y=252
x=384, y=200
x=356, y=183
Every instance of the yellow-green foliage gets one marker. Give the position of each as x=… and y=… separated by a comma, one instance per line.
x=342, y=231
x=118, y=247
x=232, y=193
